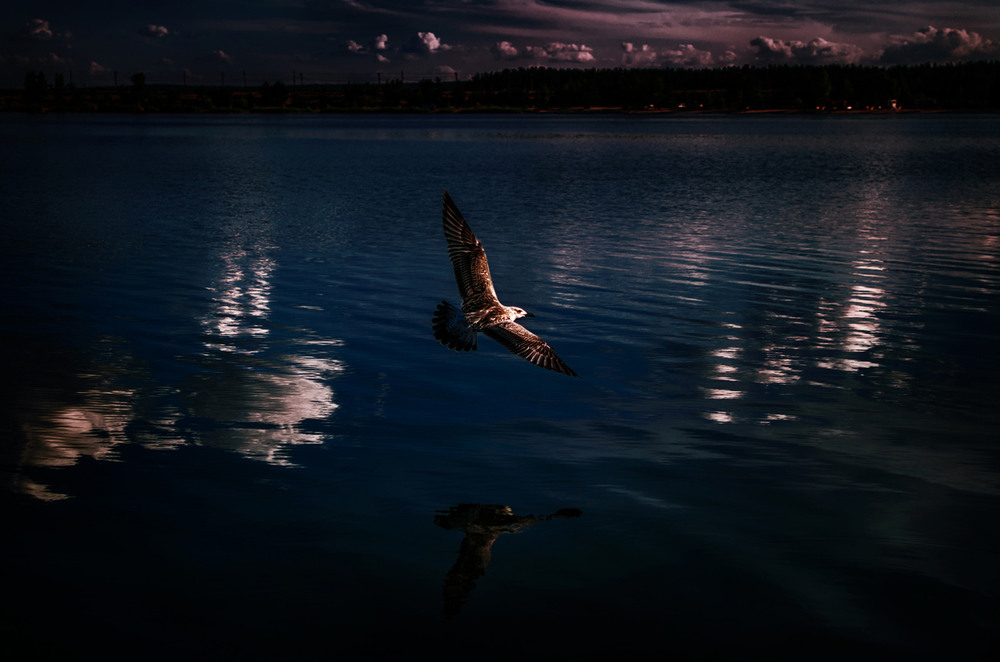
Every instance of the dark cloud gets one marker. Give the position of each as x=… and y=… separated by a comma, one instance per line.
x=213, y=61
x=847, y=16
x=765, y=8
x=39, y=29
x=154, y=31
x=933, y=45
x=335, y=40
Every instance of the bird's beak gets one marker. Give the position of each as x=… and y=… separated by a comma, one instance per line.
x=529, y=314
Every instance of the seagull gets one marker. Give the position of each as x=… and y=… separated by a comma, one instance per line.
x=481, y=310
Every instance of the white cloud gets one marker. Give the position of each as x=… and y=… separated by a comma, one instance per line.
x=686, y=55
x=821, y=51
x=222, y=56
x=727, y=58
x=815, y=51
x=641, y=56
x=375, y=47
x=774, y=49
x=930, y=44
x=557, y=51
x=426, y=43
x=97, y=68
x=504, y=50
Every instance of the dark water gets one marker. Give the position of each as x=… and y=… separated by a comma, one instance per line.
x=228, y=431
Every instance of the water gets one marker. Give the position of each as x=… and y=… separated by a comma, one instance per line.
x=228, y=431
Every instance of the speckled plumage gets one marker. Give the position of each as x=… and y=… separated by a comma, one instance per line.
x=481, y=309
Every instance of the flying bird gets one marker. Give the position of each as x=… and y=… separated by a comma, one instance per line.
x=481, y=310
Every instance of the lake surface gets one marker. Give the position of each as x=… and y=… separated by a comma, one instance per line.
x=228, y=431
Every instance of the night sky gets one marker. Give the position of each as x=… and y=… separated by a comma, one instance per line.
x=329, y=41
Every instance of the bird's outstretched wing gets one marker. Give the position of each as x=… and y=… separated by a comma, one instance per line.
x=527, y=345
x=467, y=257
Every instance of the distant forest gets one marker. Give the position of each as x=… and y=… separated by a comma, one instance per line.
x=832, y=88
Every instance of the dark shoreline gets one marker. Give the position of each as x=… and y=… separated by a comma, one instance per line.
x=126, y=109
x=553, y=112
x=972, y=87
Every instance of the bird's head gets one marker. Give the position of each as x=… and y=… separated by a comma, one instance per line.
x=520, y=312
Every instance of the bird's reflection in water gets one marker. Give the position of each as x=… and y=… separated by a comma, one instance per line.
x=482, y=524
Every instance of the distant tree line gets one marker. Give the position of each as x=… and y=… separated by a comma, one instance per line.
x=967, y=86
x=803, y=88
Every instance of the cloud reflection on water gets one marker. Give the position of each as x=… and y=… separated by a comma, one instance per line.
x=802, y=315
x=253, y=408
x=770, y=316
x=57, y=433
x=242, y=297
x=250, y=394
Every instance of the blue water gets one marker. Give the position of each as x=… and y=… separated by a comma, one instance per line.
x=228, y=431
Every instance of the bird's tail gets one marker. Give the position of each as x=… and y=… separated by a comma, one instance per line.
x=451, y=329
